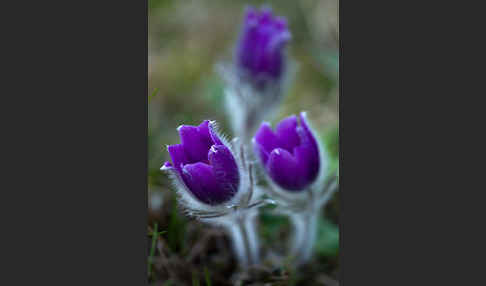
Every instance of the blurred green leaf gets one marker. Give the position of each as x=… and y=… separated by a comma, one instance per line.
x=206, y=276
x=158, y=3
x=157, y=233
x=214, y=91
x=272, y=224
x=327, y=243
x=330, y=63
x=154, y=92
x=195, y=279
x=331, y=141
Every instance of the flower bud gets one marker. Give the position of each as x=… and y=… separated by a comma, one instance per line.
x=290, y=154
x=205, y=165
x=260, y=53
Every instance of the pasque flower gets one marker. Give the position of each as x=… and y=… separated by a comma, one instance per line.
x=206, y=166
x=260, y=53
x=214, y=181
x=257, y=77
x=296, y=167
x=290, y=154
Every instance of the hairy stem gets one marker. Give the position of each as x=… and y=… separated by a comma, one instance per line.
x=245, y=240
x=248, y=127
x=304, y=235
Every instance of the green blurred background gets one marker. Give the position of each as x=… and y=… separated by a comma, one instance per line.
x=186, y=40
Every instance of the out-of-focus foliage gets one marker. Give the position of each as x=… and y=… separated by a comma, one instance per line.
x=186, y=40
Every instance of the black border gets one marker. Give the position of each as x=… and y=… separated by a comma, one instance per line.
x=79, y=77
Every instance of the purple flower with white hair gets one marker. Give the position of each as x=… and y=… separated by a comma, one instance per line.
x=290, y=154
x=206, y=166
x=296, y=166
x=260, y=53
x=214, y=181
x=260, y=72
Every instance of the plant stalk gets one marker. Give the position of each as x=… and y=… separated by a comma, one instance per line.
x=304, y=235
x=245, y=240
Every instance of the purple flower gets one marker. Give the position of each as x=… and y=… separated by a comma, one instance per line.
x=205, y=165
x=262, y=41
x=290, y=155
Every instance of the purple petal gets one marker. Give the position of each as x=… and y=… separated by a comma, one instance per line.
x=196, y=142
x=203, y=129
x=178, y=155
x=248, y=43
x=307, y=154
x=280, y=23
x=304, y=124
x=262, y=40
x=259, y=50
x=307, y=157
x=224, y=168
x=266, y=138
x=283, y=168
x=200, y=180
x=260, y=152
x=250, y=15
x=265, y=53
x=265, y=16
x=287, y=134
